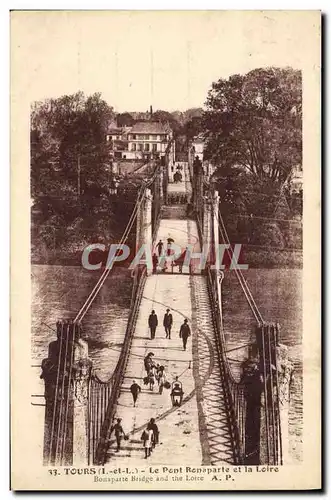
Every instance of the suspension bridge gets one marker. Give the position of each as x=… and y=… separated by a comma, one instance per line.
x=227, y=416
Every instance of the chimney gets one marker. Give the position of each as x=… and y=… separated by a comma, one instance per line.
x=151, y=111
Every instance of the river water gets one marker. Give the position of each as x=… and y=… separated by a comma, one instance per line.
x=58, y=292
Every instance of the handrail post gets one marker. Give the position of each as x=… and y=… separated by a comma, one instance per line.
x=82, y=375
x=284, y=374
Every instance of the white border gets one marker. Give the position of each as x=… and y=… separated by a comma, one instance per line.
x=4, y=152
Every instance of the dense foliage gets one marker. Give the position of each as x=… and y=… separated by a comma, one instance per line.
x=255, y=120
x=253, y=129
x=71, y=175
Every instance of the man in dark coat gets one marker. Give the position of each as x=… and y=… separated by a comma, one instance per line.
x=180, y=261
x=152, y=323
x=135, y=390
x=119, y=433
x=159, y=247
x=156, y=433
x=155, y=261
x=167, y=323
x=184, y=333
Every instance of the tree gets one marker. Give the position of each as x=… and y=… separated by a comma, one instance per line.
x=68, y=147
x=193, y=127
x=253, y=130
x=125, y=120
x=166, y=117
x=70, y=171
x=254, y=121
x=191, y=113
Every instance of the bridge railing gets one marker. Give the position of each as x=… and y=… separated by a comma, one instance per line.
x=253, y=401
x=234, y=391
x=100, y=454
x=99, y=394
x=80, y=407
x=101, y=431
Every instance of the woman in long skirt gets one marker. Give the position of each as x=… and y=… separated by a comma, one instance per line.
x=147, y=439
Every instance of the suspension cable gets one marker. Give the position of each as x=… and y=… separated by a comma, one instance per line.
x=125, y=235
x=60, y=419
x=273, y=421
x=56, y=395
x=265, y=394
x=72, y=352
x=278, y=402
x=241, y=279
x=104, y=275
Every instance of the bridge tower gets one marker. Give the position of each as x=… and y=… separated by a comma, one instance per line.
x=66, y=373
x=267, y=376
x=144, y=220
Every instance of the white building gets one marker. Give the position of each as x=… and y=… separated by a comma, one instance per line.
x=151, y=138
x=144, y=140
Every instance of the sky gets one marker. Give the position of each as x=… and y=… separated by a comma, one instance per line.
x=167, y=59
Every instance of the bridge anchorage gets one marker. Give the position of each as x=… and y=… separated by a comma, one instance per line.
x=233, y=417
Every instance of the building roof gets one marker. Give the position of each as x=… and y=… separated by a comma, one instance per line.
x=115, y=130
x=149, y=127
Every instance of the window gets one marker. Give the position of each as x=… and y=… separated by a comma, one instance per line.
x=147, y=147
x=133, y=147
x=140, y=147
x=154, y=147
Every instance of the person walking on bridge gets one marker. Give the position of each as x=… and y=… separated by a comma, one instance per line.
x=152, y=323
x=119, y=433
x=155, y=261
x=184, y=333
x=159, y=247
x=135, y=391
x=161, y=377
x=147, y=439
x=156, y=433
x=167, y=323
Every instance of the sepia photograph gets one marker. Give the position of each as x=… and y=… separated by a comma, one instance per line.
x=165, y=194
